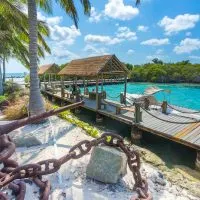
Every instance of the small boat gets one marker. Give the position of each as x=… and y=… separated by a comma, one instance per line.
x=148, y=93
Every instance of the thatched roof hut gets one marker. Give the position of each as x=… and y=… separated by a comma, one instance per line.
x=48, y=69
x=93, y=66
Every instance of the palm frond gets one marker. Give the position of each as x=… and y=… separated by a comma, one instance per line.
x=137, y=2
x=87, y=6
x=70, y=9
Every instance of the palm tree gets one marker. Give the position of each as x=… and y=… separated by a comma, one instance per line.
x=15, y=43
x=36, y=104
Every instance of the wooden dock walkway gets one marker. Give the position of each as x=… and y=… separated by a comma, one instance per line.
x=186, y=134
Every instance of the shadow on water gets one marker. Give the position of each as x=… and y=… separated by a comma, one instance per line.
x=170, y=152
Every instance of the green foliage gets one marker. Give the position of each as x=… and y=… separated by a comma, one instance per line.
x=11, y=87
x=68, y=116
x=27, y=78
x=3, y=98
x=15, y=43
x=180, y=72
x=129, y=66
x=63, y=65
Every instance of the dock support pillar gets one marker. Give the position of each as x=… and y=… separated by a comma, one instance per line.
x=99, y=118
x=197, y=163
x=53, y=99
x=136, y=135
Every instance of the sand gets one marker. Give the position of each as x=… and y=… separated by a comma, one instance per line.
x=71, y=183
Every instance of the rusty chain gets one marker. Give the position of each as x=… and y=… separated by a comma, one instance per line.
x=12, y=171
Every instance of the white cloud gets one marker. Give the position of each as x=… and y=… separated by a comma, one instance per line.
x=94, y=51
x=188, y=34
x=54, y=20
x=66, y=35
x=94, y=16
x=116, y=9
x=103, y=39
x=142, y=28
x=151, y=57
x=64, y=54
x=179, y=23
x=156, y=42
x=187, y=46
x=195, y=57
x=159, y=51
x=130, y=52
x=125, y=33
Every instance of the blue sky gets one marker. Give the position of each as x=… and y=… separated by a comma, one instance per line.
x=169, y=30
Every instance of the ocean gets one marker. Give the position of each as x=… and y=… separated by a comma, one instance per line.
x=185, y=95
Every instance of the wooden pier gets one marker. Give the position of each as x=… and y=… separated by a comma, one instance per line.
x=187, y=134
x=183, y=127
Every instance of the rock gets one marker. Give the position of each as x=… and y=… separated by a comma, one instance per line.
x=106, y=164
x=42, y=133
x=157, y=177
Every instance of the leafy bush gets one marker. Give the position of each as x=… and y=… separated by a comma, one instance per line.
x=27, y=78
x=11, y=87
x=166, y=72
x=3, y=98
x=68, y=116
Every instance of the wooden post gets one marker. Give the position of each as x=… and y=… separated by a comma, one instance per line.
x=62, y=87
x=125, y=88
x=146, y=103
x=97, y=93
x=121, y=97
x=45, y=86
x=102, y=82
x=84, y=92
x=197, y=163
x=138, y=113
x=164, y=107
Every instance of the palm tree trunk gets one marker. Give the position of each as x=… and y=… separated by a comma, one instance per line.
x=1, y=82
x=4, y=72
x=36, y=104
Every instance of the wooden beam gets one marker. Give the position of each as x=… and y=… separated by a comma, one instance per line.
x=101, y=82
x=97, y=93
x=125, y=88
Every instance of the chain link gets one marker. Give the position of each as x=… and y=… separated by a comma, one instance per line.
x=36, y=171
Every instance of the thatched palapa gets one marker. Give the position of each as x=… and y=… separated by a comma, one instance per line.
x=93, y=66
x=48, y=69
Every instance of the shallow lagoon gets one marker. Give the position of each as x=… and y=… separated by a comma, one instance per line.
x=186, y=95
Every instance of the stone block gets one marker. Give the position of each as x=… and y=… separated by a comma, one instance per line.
x=107, y=164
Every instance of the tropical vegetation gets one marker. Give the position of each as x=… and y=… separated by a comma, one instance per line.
x=160, y=72
x=14, y=36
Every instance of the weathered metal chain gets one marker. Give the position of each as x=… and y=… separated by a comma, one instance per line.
x=36, y=171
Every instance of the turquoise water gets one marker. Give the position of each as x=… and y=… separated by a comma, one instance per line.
x=186, y=95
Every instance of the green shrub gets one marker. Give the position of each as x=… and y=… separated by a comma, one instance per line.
x=68, y=116
x=27, y=78
x=3, y=98
x=11, y=87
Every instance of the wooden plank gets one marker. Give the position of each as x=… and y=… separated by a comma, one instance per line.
x=186, y=130
x=192, y=134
